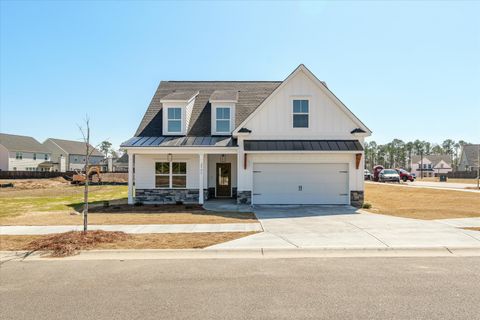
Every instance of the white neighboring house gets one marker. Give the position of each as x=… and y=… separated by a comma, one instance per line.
x=259, y=142
x=22, y=153
x=73, y=153
x=432, y=165
x=469, y=157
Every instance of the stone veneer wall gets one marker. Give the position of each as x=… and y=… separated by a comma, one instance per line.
x=356, y=198
x=167, y=196
x=244, y=197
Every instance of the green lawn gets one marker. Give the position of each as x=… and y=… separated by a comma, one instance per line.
x=65, y=198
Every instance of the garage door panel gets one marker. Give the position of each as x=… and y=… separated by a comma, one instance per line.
x=288, y=183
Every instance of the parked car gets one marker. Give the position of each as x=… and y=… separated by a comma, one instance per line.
x=405, y=175
x=367, y=175
x=389, y=175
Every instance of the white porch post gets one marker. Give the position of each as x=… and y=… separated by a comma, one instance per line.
x=200, y=178
x=130, y=178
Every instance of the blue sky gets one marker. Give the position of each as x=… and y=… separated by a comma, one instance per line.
x=408, y=69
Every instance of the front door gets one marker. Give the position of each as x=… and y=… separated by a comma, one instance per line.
x=224, y=180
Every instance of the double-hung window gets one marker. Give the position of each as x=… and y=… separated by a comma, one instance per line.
x=174, y=120
x=171, y=175
x=46, y=156
x=19, y=156
x=34, y=156
x=223, y=120
x=300, y=113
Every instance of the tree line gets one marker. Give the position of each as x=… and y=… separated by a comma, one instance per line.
x=398, y=153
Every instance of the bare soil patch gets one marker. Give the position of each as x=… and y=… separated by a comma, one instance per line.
x=421, y=203
x=71, y=242
x=34, y=184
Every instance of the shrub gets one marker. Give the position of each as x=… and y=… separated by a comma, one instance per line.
x=366, y=205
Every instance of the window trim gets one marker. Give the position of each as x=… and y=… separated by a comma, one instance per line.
x=181, y=120
x=301, y=113
x=18, y=156
x=170, y=174
x=229, y=119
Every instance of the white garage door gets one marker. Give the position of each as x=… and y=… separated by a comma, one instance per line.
x=300, y=183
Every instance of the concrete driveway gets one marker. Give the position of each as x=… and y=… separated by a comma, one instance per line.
x=345, y=227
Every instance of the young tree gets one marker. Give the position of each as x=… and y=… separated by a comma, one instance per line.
x=105, y=147
x=88, y=152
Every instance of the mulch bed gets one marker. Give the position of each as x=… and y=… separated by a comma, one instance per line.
x=69, y=243
x=150, y=208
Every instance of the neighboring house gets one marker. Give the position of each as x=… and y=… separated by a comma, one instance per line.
x=469, y=157
x=22, y=153
x=71, y=153
x=431, y=165
x=260, y=142
x=118, y=164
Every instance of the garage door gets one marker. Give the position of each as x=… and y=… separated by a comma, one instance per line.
x=300, y=183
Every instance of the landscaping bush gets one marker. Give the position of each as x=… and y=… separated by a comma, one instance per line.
x=366, y=205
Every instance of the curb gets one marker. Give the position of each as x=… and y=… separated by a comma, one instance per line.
x=262, y=253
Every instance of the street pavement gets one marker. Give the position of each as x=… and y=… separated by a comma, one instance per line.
x=326, y=288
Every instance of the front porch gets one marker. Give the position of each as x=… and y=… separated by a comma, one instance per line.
x=181, y=177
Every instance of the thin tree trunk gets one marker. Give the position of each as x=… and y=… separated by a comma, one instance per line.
x=85, y=194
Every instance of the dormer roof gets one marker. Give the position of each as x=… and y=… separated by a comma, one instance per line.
x=224, y=96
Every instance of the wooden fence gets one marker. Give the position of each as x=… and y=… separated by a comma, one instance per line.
x=32, y=174
x=462, y=174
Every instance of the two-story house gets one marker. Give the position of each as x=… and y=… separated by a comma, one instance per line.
x=23, y=153
x=71, y=154
x=431, y=165
x=259, y=142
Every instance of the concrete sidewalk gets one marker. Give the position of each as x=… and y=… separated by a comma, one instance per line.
x=144, y=228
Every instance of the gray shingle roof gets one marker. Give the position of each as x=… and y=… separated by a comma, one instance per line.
x=224, y=95
x=21, y=143
x=181, y=95
x=174, y=141
x=74, y=147
x=471, y=153
x=302, y=145
x=250, y=95
x=434, y=158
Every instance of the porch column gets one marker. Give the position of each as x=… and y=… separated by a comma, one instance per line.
x=130, y=178
x=200, y=178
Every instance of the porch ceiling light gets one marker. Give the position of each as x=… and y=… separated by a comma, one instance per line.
x=223, y=158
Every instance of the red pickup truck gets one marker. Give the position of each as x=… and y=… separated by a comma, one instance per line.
x=405, y=175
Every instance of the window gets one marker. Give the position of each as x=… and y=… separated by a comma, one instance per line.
x=34, y=156
x=223, y=120
x=429, y=166
x=46, y=156
x=170, y=175
x=19, y=156
x=175, y=120
x=300, y=113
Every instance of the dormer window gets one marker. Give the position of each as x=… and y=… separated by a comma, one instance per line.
x=223, y=111
x=223, y=120
x=174, y=120
x=300, y=113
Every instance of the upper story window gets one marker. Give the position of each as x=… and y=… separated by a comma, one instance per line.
x=19, y=156
x=300, y=113
x=46, y=156
x=174, y=123
x=222, y=121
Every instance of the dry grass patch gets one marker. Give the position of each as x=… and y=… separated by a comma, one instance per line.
x=449, y=180
x=70, y=242
x=421, y=203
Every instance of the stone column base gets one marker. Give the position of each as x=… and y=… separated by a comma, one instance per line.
x=244, y=197
x=356, y=198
